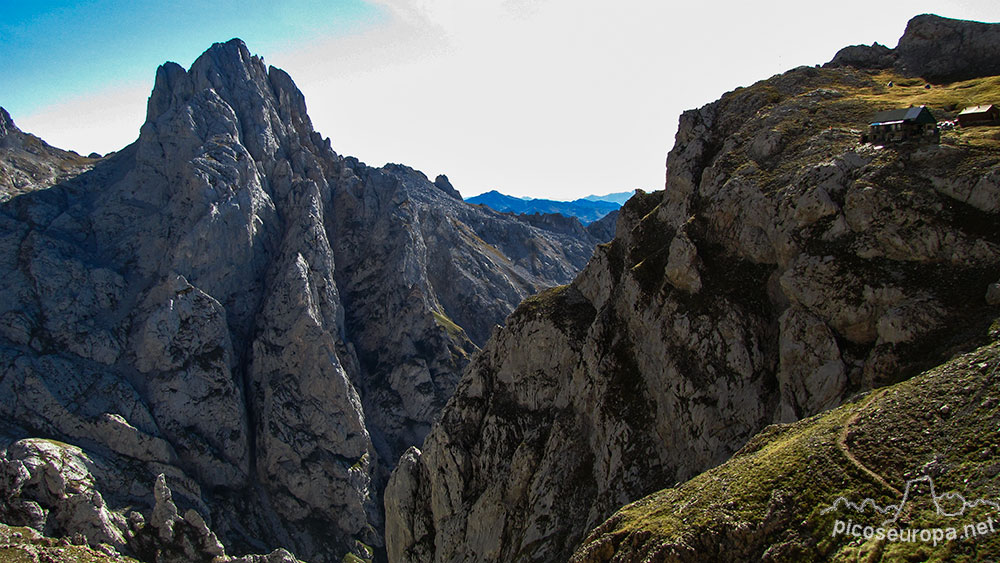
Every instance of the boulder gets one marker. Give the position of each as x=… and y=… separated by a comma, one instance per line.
x=48, y=485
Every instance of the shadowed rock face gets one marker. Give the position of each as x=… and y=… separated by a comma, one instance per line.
x=935, y=48
x=945, y=49
x=784, y=268
x=230, y=303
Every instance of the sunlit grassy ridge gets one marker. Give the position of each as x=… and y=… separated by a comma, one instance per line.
x=449, y=325
x=950, y=98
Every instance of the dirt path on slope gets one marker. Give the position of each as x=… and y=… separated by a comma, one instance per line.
x=842, y=441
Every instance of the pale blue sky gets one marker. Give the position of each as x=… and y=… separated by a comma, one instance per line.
x=541, y=98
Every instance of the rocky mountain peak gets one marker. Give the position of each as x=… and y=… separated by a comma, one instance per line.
x=274, y=324
x=934, y=48
x=228, y=91
x=948, y=49
x=226, y=68
x=443, y=184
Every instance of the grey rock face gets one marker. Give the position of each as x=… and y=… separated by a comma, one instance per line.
x=811, y=372
x=935, y=48
x=946, y=49
x=682, y=264
x=453, y=271
x=604, y=228
x=875, y=56
x=776, y=275
x=182, y=347
x=229, y=303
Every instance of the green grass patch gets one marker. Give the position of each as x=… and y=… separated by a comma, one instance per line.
x=951, y=97
x=454, y=330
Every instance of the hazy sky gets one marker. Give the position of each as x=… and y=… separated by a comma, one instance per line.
x=554, y=98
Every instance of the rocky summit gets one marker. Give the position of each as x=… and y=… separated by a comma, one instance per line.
x=934, y=48
x=786, y=267
x=220, y=338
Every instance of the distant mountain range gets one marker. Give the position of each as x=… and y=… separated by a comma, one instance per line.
x=587, y=209
x=619, y=197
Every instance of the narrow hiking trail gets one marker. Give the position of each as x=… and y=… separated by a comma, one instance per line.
x=842, y=440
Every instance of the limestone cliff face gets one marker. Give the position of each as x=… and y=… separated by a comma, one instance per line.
x=229, y=303
x=784, y=267
x=425, y=279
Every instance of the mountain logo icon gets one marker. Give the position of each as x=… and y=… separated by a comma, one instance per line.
x=951, y=504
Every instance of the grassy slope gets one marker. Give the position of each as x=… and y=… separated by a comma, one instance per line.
x=766, y=502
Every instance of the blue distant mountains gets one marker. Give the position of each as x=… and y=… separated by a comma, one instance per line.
x=620, y=197
x=587, y=209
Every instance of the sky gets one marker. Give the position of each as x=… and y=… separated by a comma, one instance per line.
x=538, y=98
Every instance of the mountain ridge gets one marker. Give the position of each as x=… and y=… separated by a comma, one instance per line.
x=584, y=209
x=29, y=163
x=617, y=197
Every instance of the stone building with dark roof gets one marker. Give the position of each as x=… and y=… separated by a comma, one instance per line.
x=898, y=125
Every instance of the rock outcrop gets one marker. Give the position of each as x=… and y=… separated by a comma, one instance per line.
x=230, y=303
x=168, y=537
x=934, y=48
x=784, y=268
x=939, y=48
x=49, y=486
